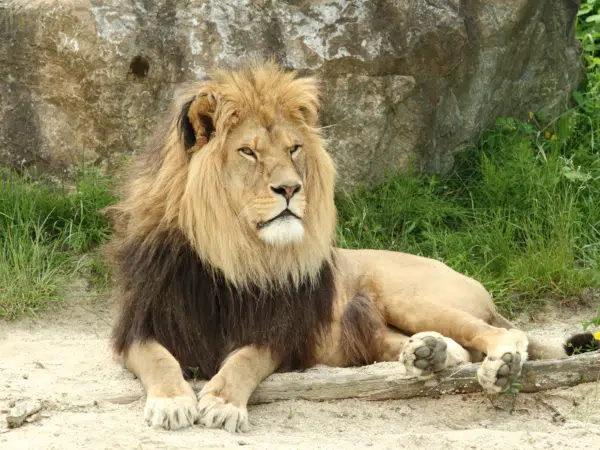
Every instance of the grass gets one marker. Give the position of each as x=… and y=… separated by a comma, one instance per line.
x=520, y=212
x=46, y=233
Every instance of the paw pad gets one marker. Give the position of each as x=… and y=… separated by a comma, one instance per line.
x=498, y=374
x=425, y=353
x=508, y=372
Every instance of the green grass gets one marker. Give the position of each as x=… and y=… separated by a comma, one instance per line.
x=45, y=233
x=519, y=213
x=521, y=210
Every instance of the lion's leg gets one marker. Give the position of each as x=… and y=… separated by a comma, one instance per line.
x=222, y=401
x=393, y=343
x=506, y=350
x=423, y=353
x=170, y=402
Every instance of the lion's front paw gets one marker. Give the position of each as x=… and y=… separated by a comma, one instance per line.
x=424, y=354
x=171, y=413
x=217, y=413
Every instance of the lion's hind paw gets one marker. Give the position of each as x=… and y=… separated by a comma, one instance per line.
x=498, y=374
x=424, y=354
x=503, y=364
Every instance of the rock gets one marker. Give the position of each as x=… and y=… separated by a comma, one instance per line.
x=16, y=416
x=405, y=82
x=34, y=418
x=19, y=413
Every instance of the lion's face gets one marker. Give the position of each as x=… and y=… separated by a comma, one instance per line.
x=258, y=199
x=265, y=171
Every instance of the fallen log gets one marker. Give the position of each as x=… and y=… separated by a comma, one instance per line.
x=383, y=381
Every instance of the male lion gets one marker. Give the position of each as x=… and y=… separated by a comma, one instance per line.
x=225, y=262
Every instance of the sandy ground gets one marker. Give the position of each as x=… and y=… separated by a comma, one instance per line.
x=62, y=358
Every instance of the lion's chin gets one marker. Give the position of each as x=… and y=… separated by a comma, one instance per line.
x=284, y=231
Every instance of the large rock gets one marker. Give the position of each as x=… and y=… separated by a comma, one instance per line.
x=405, y=81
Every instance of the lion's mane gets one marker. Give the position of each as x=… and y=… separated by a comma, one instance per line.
x=186, y=274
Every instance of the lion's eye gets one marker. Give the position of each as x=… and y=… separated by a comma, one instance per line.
x=294, y=149
x=247, y=151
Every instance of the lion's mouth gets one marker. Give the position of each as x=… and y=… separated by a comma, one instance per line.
x=285, y=213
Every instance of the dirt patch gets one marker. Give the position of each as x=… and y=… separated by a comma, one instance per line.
x=90, y=402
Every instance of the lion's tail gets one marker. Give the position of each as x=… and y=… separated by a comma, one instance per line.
x=545, y=348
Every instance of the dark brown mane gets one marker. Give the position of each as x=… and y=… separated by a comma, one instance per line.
x=167, y=293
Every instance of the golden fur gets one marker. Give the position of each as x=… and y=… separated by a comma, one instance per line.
x=194, y=194
x=210, y=274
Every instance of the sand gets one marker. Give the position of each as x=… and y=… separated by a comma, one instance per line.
x=89, y=402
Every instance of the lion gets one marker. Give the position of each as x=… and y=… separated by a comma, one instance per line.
x=225, y=263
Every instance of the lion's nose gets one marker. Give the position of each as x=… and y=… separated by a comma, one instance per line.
x=287, y=191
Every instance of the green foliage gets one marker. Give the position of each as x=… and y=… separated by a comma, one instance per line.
x=44, y=231
x=588, y=32
x=520, y=213
x=594, y=321
x=588, y=29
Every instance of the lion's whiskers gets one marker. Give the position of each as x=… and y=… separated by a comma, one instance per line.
x=243, y=212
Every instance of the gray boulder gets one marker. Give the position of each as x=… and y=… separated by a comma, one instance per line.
x=405, y=81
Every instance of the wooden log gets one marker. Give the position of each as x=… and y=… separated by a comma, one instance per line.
x=383, y=381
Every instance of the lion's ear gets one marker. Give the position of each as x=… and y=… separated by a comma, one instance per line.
x=196, y=120
x=310, y=114
x=307, y=100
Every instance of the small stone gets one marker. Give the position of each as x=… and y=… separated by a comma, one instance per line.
x=20, y=412
x=16, y=416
